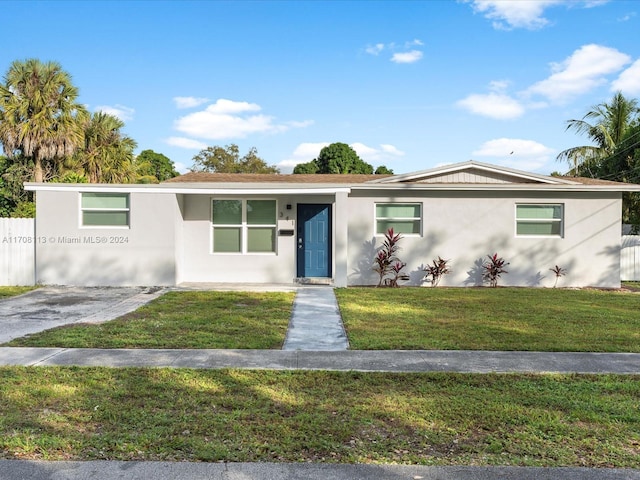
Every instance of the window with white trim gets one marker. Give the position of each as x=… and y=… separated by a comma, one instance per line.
x=243, y=226
x=101, y=209
x=405, y=218
x=539, y=219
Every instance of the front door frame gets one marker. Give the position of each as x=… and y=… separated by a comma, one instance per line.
x=301, y=240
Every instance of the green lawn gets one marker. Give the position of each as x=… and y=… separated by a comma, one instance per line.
x=347, y=417
x=377, y=319
x=13, y=291
x=184, y=320
x=491, y=319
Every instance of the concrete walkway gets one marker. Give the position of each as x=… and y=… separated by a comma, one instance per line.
x=315, y=322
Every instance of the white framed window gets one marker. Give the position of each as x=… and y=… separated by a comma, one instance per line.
x=405, y=218
x=243, y=226
x=101, y=209
x=539, y=220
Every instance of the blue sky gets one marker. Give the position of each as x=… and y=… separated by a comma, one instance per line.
x=411, y=85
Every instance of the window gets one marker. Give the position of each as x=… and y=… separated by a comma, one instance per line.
x=105, y=209
x=402, y=217
x=244, y=226
x=539, y=220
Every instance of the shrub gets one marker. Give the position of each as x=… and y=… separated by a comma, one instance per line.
x=493, y=269
x=437, y=270
x=560, y=272
x=386, y=263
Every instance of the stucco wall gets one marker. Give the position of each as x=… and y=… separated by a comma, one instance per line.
x=143, y=254
x=201, y=265
x=465, y=228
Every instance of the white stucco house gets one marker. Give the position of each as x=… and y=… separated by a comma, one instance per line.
x=249, y=228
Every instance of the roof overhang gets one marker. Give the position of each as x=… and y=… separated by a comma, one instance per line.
x=195, y=188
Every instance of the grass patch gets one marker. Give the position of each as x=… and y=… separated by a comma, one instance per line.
x=529, y=319
x=71, y=413
x=13, y=291
x=183, y=320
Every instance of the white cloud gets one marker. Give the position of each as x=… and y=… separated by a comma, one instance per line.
x=391, y=150
x=303, y=153
x=411, y=56
x=584, y=70
x=228, y=119
x=493, y=105
x=407, y=57
x=507, y=15
x=188, y=143
x=376, y=156
x=123, y=113
x=629, y=81
x=375, y=49
x=189, y=102
x=516, y=153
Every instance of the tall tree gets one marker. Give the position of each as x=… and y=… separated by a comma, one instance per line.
x=338, y=158
x=39, y=115
x=606, y=125
x=154, y=167
x=107, y=154
x=341, y=158
x=227, y=160
x=624, y=166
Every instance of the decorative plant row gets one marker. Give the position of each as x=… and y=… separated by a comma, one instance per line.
x=389, y=267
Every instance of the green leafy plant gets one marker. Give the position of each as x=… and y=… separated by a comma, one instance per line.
x=386, y=263
x=559, y=272
x=437, y=270
x=493, y=269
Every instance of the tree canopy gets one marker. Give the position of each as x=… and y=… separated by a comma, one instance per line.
x=227, y=160
x=338, y=158
x=107, y=153
x=40, y=116
x=615, y=153
x=605, y=124
x=153, y=167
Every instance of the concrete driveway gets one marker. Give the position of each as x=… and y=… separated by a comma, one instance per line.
x=49, y=307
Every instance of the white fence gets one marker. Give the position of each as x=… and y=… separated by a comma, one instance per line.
x=17, y=251
x=630, y=258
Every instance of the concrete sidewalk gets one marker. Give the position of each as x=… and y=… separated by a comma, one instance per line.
x=106, y=470
x=363, y=360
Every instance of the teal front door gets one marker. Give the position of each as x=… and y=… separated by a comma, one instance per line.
x=314, y=240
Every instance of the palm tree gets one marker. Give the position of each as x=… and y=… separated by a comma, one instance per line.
x=39, y=115
x=107, y=155
x=612, y=120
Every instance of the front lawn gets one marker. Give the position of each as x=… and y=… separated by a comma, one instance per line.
x=377, y=319
x=343, y=417
x=532, y=319
x=183, y=320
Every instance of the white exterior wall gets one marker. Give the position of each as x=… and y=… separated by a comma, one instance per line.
x=200, y=264
x=465, y=227
x=143, y=254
